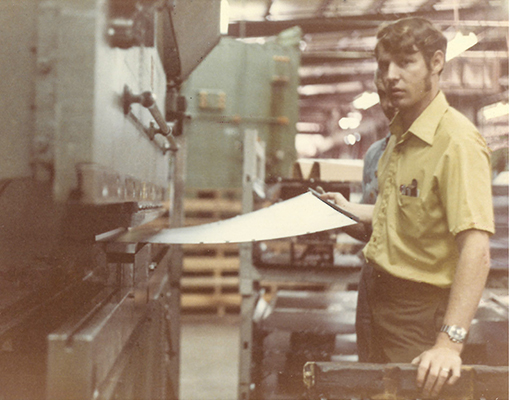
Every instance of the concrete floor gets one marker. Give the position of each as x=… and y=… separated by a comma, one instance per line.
x=209, y=357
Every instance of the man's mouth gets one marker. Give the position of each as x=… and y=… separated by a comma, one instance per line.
x=397, y=92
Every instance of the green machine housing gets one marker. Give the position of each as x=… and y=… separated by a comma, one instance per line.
x=242, y=86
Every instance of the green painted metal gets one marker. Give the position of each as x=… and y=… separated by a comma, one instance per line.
x=242, y=86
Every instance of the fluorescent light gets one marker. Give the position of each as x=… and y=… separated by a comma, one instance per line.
x=495, y=110
x=344, y=87
x=352, y=121
x=352, y=138
x=224, y=17
x=366, y=100
x=459, y=44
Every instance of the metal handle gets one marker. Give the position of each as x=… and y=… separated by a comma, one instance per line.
x=147, y=100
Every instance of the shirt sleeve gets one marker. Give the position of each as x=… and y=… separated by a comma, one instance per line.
x=465, y=185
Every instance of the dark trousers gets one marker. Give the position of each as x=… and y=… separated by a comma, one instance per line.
x=363, y=317
x=405, y=317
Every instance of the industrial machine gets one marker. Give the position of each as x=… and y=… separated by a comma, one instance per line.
x=242, y=86
x=90, y=146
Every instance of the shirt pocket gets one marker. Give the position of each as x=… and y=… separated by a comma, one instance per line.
x=410, y=216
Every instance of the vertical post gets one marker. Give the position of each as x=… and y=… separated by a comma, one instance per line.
x=173, y=315
x=253, y=177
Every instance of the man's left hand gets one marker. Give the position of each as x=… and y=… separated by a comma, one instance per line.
x=435, y=367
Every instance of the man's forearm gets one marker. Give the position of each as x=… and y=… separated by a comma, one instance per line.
x=469, y=281
x=365, y=212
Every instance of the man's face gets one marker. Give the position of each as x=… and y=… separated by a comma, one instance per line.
x=407, y=79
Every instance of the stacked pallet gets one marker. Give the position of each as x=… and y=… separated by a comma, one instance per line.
x=210, y=278
x=202, y=206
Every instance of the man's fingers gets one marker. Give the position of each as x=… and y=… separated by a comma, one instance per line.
x=435, y=380
x=423, y=368
x=430, y=381
x=327, y=196
x=441, y=379
x=434, y=370
x=337, y=198
x=454, y=377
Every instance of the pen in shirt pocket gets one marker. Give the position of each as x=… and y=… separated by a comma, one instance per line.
x=410, y=190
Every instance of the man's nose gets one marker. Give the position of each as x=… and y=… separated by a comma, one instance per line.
x=393, y=72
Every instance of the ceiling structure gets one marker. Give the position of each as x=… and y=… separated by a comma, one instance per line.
x=338, y=39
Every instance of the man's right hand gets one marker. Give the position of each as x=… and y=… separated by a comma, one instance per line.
x=363, y=211
x=337, y=198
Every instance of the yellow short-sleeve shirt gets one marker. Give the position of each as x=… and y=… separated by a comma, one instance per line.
x=434, y=182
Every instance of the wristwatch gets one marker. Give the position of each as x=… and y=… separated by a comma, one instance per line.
x=457, y=334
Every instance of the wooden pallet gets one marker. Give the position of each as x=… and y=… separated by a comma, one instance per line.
x=210, y=279
x=202, y=206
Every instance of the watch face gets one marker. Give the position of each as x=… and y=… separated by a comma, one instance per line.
x=457, y=333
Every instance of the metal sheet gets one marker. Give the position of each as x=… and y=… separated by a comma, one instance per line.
x=299, y=215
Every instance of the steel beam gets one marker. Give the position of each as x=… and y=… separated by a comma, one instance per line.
x=342, y=24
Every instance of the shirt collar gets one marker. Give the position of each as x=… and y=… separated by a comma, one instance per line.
x=425, y=126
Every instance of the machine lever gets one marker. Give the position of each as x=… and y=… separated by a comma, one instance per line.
x=147, y=100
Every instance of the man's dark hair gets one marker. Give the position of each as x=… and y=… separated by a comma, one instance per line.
x=409, y=35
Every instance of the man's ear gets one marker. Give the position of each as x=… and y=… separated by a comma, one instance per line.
x=437, y=62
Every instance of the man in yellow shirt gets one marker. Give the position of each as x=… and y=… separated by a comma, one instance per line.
x=433, y=216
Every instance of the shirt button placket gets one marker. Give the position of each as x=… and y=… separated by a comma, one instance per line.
x=388, y=188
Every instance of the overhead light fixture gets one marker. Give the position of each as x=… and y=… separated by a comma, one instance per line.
x=459, y=44
x=352, y=138
x=224, y=17
x=366, y=100
x=344, y=87
x=352, y=121
x=495, y=110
